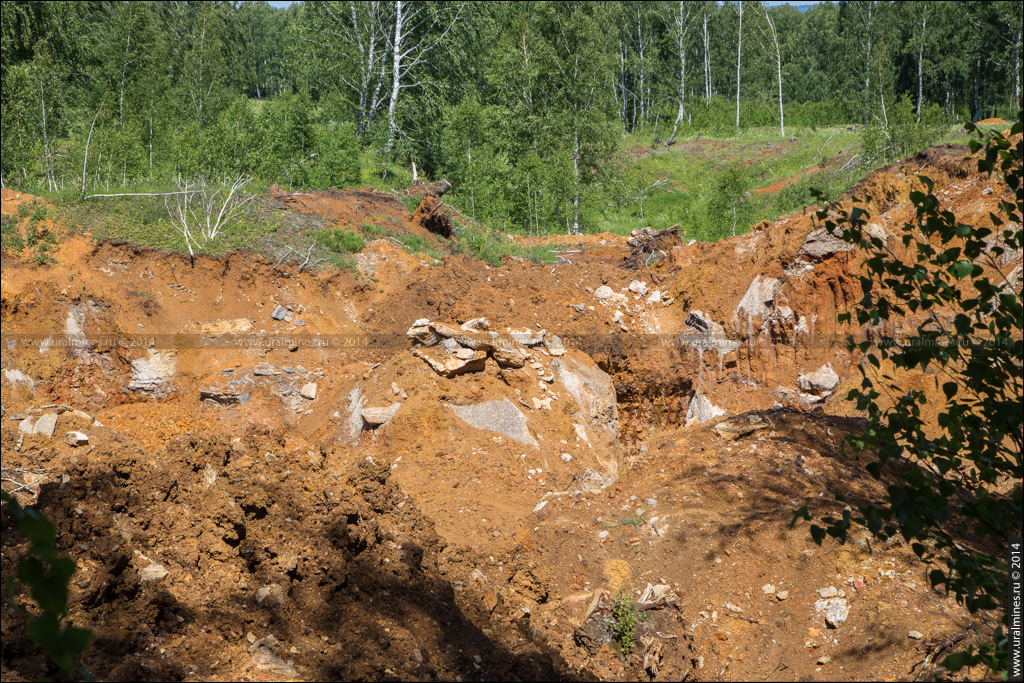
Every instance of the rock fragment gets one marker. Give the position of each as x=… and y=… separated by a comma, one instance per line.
x=75, y=439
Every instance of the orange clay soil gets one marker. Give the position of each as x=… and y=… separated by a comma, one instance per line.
x=275, y=487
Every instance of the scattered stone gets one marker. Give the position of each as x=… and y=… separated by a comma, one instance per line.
x=825, y=659
x=821, y=244
x=821, y=382
x=836, y=610
x=75, y=439
x=265, y=658
x=566, y=457
x=17, y=377
x=737, y=427
x=263, y=370
x=733, y=608
x=638, y=287
x=603, y=292
x=476, y=325
x=27, y=425
x=554, y=345
x=502, y=417
x=701, y=410
x=279, y=313
x=376, y=417
x=579, y=308
x=449, y=366
x=542, y=403
x=45, y=425
x=151, y=571
x=308, y=391
x=768, y=589
x=422, y=334
x=464, y=353
x=466, y=339
x=617, y=318
x=273, y=595
x=916, y=635
x=224, y=397
x=506, y=352
x=655, y=297
x=528, y=337
x=781, y=595
x=829, y=592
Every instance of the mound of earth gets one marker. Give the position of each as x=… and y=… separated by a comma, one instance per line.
x=457, y=470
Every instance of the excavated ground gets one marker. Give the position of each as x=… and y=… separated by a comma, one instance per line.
x=275, y=486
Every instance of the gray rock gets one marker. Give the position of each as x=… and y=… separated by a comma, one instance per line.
x=836, y=610
x=758, y=300
x=507, y=352
x=579, y=308
x=17, y=377
x=593, y=390
x=45, y=425
x=272, y=595
x=594, y=632
x=279, y=313
x=638, y=287
x=829, y=592
x=224, y=397
x=422, y=334
x=916, y=635
x=701, y=410
x=447, y=365
x=265, y=658
x=152, y=375
x=27, y=425
x=75, y=439
x=470, y=340
x=263, y=370
x=821, y=382
x=821, y=244
x=738, y=427
x=375, y=417
x=502, y=417
x=554, y=345
x=476, y=325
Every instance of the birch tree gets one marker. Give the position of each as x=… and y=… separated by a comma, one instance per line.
x=706, y=36
x=739, y=6
x=418, y=29
x=770, y=44
x=362, y=29
x=679, y=29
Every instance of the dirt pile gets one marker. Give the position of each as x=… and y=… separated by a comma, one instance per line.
x=452, y=470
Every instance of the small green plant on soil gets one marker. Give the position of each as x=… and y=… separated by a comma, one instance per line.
x=341, y=241
x=48, y=577
x=627, y=618
x=632, y=520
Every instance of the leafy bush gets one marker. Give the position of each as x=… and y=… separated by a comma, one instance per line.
x=956, y=493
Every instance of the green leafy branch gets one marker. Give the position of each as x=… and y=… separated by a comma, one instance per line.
x=48, y=577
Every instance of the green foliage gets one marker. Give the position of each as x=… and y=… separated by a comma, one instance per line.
x=898, y=134
x=336, y=163
x=955, y=493
x=627, y=618
x=48, y=577
x=341, y=241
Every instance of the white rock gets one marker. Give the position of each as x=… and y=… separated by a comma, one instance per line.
x=603, y=292
x=829, y=592
x=638, y=287
x=376, y=417
x=308, y=390
x=701, y=410
x=16, y=377
x=821, y=382
x=75, y=439
x=618, y=317
x=422, y=322
x=655, y=297
x=768, y=589
x=916, y=635
x=566, y=457
x=45, y=425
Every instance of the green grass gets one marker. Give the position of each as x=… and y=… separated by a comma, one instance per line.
x=692, y=190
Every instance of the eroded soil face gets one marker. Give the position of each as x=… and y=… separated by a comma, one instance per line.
x=295, y=475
